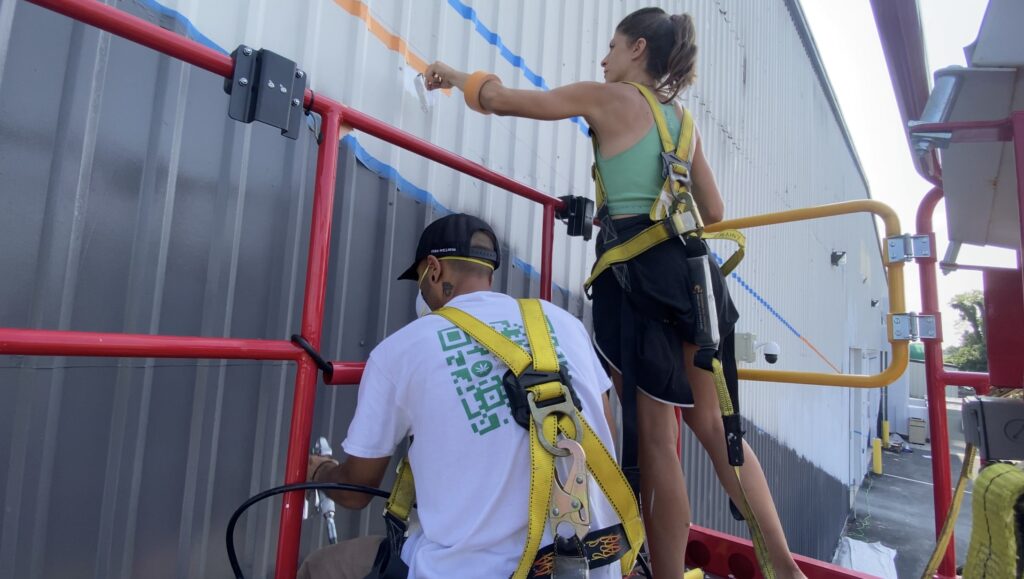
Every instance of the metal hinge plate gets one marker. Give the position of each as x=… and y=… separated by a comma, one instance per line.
x=911, y=327
x=908, y=247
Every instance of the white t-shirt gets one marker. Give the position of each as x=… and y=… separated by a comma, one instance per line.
x=470, y=459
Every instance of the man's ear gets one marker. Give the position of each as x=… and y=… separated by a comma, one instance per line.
x=434, y=265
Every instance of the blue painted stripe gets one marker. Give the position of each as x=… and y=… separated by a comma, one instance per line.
x=743, y=284
x=423, y=196
x=514, y=59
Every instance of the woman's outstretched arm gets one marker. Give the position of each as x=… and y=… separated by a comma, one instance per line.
x=582, y=99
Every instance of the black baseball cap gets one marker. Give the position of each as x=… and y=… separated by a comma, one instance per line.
x=450, y=236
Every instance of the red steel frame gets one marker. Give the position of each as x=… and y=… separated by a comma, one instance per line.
x=899, y=29
x=937, y=378
x=724, y=554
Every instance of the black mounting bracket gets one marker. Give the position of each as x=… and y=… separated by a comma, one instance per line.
x=578, y=216
x=268, y=88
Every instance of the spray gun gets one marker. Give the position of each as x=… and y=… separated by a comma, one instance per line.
x=321, y=502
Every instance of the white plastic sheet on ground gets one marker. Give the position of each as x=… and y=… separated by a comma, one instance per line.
x=873, y=558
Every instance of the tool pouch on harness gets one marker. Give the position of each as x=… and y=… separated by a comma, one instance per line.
x=705, y=320
x=706, y=337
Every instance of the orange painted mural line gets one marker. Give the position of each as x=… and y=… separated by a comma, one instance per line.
x=820, y=355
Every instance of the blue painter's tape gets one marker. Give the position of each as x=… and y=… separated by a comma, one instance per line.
x=514, y=59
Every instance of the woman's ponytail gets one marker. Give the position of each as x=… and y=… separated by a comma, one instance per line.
x=682, y=61
x=671, y=46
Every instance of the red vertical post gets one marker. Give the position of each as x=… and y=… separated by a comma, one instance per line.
x=1017, y=123
x=312, y=325
x=936, y=390
x=547, y=242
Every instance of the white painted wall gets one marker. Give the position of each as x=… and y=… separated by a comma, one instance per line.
x=767, y=122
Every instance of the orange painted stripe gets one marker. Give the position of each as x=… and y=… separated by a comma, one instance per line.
x=820, y=355
x=392, y=41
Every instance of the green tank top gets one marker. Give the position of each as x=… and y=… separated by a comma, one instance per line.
x=632, y=179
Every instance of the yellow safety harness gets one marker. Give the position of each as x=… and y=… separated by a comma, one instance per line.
x=674, y=212
x=556, y=429
x=676, y=215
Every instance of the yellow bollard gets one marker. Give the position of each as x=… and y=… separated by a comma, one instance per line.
x=876, y=455
x=693, y=574
x=885, y=434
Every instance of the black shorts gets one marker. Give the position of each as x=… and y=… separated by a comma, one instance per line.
x=643, y=315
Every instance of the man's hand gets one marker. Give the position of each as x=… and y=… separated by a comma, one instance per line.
x=315, y=467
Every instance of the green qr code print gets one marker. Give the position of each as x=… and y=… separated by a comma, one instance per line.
x=477, y=374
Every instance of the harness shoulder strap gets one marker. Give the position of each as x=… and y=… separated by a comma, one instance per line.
x=513, y=355
x=542, y=346
x=683, y=146
x=667, y=142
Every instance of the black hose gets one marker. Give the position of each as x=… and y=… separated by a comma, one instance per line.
x=230, y=537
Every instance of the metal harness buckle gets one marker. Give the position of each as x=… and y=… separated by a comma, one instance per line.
x=570, y=503
x=561, y=405
x=674, y=168
x=684, y=217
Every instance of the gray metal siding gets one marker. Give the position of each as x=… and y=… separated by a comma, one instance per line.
x=812, y=505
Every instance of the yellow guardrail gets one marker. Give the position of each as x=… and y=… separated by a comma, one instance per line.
x=897, y=304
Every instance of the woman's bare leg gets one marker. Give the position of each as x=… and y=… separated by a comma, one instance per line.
x=705, y=420
x=665, y=504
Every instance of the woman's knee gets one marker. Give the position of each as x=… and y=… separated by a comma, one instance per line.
x=705, y=427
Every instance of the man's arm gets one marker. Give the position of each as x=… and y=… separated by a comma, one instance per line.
x=361, y=471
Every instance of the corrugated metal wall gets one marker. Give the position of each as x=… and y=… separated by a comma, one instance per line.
x=130, y=202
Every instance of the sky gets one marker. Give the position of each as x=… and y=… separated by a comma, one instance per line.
x=847, y=40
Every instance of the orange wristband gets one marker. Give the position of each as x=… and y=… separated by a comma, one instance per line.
x=474, y=84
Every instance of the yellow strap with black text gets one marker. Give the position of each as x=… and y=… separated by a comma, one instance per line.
x=542, y=463
x=756, y=536
x=655, y=234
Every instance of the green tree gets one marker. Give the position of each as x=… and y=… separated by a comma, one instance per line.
x=972, y=354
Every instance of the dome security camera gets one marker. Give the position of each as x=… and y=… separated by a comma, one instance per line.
x=771, y=351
